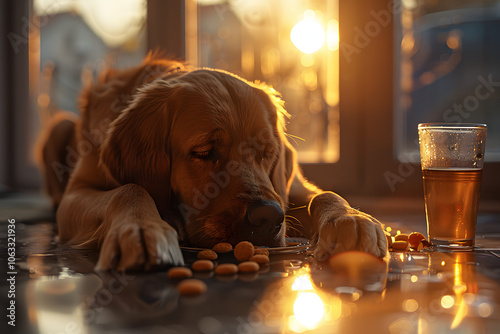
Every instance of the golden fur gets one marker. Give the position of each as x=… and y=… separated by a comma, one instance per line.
x=171, y=154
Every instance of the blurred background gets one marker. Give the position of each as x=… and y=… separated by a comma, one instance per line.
x=356, y=76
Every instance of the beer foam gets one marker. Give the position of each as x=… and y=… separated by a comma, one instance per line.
x=454, y=169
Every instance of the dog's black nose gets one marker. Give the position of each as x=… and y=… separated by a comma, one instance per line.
x=265, y=216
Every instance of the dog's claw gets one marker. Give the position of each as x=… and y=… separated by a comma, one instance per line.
x=140, y=245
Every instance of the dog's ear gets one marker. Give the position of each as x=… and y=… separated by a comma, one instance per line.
x=136, y=149
x=283, y=171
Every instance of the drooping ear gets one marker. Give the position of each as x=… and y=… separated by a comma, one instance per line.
x=284, y=169
x=137, y=144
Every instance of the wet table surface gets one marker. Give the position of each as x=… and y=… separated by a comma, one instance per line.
x=57, y=291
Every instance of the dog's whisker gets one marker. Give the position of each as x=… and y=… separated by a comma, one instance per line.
x=297, y=208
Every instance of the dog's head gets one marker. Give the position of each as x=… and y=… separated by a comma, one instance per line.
x=210, y=147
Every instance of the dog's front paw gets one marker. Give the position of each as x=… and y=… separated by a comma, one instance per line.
x=354, y=230
x=139, y=245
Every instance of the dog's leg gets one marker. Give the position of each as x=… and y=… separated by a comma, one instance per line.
x=125, y=221
x=57, y=153
x=334, y=225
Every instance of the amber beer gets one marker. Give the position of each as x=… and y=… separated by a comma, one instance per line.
x=452, y=159
x=451, y=204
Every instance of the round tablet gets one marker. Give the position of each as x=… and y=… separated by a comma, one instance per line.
x=400, y=245
x=223, y=247
x=248, y=267
x=207, y=254
x=262, y=251
x=244, y=250
x=202, y=265
x=179, y=272
x=415, y=238
x=191, y=287
x=260, y=258
x=401, y=237
x=226, y=269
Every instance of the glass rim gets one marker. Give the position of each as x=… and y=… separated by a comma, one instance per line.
x=437, y=125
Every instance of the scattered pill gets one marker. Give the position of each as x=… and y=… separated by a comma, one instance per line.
x=179, y=272
x=223, y=247
x=415, y=238
x=423, y=244
x=401, y=237
x=226, y=269
x=244, y=250
x=248, y=266
x=207, y=254
x=262, y=251
x=260, y=259
x=400, y=245
x=191, y=287
x=202, y=265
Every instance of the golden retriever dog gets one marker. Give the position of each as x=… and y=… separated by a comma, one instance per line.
x=169, y=156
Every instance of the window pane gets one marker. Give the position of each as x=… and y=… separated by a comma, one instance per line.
x=253, y=39
x=81, y=37
x=448, y=69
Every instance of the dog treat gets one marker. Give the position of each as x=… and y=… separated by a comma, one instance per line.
x=207, y=254
x=262, y=251
x=191, y=287
x=226, y=269
x=202, y=265
x=260, y=258
x=248, y=267
x=414, y=241
x=244, y=250
x=400, y=245
x=415, y=238
x=223, y=247
x=401, y=237
x=179, y=272
x=423, y=244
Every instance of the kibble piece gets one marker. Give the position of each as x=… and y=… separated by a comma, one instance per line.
x=226, y=269
x=415, y=238
x=260, y=258
x=207, y=254
x=400, y=245
x=202, y=265
x=262, y=251
x=223, y=247
x=423, y=244
x=191, y=287
x=179, y=272
x=244, y=250
x=401, y=237
x=248, y=267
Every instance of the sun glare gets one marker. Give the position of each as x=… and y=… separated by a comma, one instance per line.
x=308, y=35
x=308, y=309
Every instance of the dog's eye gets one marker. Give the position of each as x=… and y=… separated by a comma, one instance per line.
x=203, y=154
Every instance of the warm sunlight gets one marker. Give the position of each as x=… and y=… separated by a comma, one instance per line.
x=308, y=309
x=308, y=35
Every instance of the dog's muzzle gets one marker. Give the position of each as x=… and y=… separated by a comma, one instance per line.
x=265, y=219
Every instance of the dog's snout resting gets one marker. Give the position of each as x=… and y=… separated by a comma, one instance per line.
x=265, y=216
x=263, y=223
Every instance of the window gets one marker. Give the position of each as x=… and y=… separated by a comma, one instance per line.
x=379, y=68
x=447, y=54
x=296, y=52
